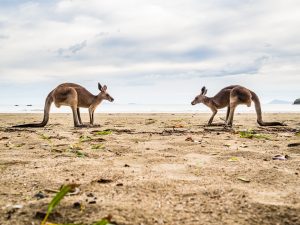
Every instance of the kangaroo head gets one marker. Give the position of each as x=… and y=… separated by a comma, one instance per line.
x=201, y=97
x=103, y=94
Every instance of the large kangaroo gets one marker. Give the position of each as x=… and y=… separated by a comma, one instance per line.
x=231, y=97
x=75, y=96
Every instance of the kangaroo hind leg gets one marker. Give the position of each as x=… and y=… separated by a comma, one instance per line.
x=79, y=117
x=72, y=101
x=233, y=104
x=227, y=113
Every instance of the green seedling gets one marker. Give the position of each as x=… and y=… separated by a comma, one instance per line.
x=79, y=153
x=98, y=147
x=104, y=132
x=103, y=222
x=45, y=137
x=20, y=145
x=233, y=159
x=57, y=198
x=77, y=150
x=84, y=138
x=252, y=134
x=74, y=147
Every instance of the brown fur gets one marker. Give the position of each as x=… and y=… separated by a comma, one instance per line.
x=75, y=96
x=231, y=97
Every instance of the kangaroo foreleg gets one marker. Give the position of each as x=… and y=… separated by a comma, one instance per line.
x=212, y=116
x=91, y=114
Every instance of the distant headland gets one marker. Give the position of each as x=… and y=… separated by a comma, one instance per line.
x=297, y=101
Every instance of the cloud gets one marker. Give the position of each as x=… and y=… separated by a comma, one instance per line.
x=148, y=43
x=2, y=36
x=73, y=49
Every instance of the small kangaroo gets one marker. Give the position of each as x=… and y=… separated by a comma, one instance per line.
x=231, y=97
x=75, y=96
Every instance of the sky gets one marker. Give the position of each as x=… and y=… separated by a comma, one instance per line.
x=149, y=51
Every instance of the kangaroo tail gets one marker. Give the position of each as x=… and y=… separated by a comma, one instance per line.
x=256, y=101
x=48, y=103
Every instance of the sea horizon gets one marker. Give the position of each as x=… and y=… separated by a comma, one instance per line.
x=150, y=108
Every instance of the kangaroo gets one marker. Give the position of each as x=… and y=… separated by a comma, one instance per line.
x=75, y=96
x=231, y=97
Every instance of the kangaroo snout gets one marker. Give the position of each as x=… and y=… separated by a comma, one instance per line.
x=111, y=100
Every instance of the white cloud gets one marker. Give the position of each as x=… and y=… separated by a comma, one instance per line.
x=150, y=43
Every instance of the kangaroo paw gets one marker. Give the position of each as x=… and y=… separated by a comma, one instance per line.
x=95, y=125
x=215, y=125
x=80, y=126
x=227, y=125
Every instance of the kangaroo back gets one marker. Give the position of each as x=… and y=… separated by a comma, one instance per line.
x=260, y=121
x=48, y=103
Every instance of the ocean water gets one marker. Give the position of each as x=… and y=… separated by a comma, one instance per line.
x=144, y=108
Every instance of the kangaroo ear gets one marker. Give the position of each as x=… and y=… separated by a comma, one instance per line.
x=104, y=88
x=203, y=90
x=99, y=87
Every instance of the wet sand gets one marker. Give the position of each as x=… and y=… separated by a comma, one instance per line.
x=151, y=169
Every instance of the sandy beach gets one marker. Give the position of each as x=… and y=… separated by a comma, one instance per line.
x=146, y=169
